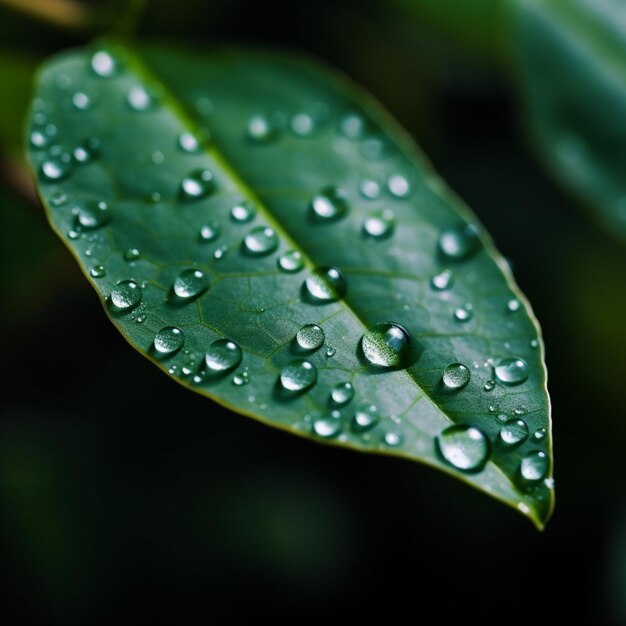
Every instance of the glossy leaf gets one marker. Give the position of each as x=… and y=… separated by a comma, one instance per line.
x=261, y=230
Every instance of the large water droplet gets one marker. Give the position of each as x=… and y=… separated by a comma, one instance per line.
x=326, y=284
x=104, y=64
x=327, y=427
x=56, y=168
x=223, y=356
x=511, y=371
x=366, y=416
x=310, y=337
x=389, y=345
x=534, y=466
x=242, y=213
x=91, y=214
x=299, y=375
x=190, y=284
x=210, y=231
x=189, y=143
x=126, y=296
x=464, y=447
x=291, y=261
x=514, y=432
x=442, y=281
x=455, y=376
x=464, y=313
x=379, y=224
x=459, y=243
x=198, y=184
x=260, y=129
x=342, y=394
x=329, y=204
x=168, y=340
x=260, y=241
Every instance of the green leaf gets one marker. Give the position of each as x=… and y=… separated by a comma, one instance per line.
x=201, y=191
x=572, y=61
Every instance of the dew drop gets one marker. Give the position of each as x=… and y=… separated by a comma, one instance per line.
x=342, y=394
x=369, y=189
x=56, y=168
x=198, y=184
x=298, y=375
x=241, y=378
x=389, y=345
x=399, y=186
x=327, y=427
x=352, y=126
x=514, y=432
x=490, y=385
x=329, y=204
x=513, y=305
x=534, y=343
x=132, y=254
x=190, y=284
x=220, y=253
x=126, y=296
x=140, y=99
x=223, y=356
x=91, y=214
x=210, y=231
x=442, y=281
x=455, y=376
x=464, y=313
x=302, y=124
x=464, y=447
x=168, y=340
x=511, y=371
x=393, y=439
x=39, y=139
x=260, y=241
x=81, y=101
x=260, y=129
x=330, y=352
x=104, y=64
x=310, y=337
x=189, y=143
x=540, y=434
x=459, y=243
x=97, y=271
x=366, y=416
x=291, y=261
x=157, y=157
x=534, y=466
x=379, y=225
x=242, y=213
x=326, y=284
x=86, y=151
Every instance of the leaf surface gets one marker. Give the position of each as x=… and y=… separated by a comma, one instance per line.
x=203, y=192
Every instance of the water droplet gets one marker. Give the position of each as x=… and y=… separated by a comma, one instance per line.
x=58, y=199
x=373, y=148
x=97, y=271
x=291, y=261
x=464, y=447
x=302, y=124
x=86, y=151
x=299, y=375
x=260, y=129
x=56, y=168
x=534, y=466
x=81, y=101
x=126, y=296
x=241, y=378
x=330, y=352
x=366, y=416
x=389, y=345
x=72, y=234
x=91, y=214
x=329, y=204
x=511, y=371
x=399, y=186
x=260, y=241
x=189, y=143
x=369, y=189
x=379, y=224
x=540, y=434
x=513, y=305
x=459, y=243
x=352, y=126
x=442, y=281
x=392, y=439
x=104, y=64
x=327, y=427
x=490, y=385
x=455, y=376
x=310, y=337
x=190, y=284
x=534, y=343
x=342, y=394
x=326, y=284
x=198, y=184
x=514, y=432
x=243, y=213
x=40, y=140
x=157, y=157
x=168, y=340
x=140, y=99
x=132, y=254
x=220, y=253
x=210, y=231
x=464, y=313
x=223, y=356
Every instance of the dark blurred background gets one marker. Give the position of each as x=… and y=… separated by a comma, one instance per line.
x=122, y=495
